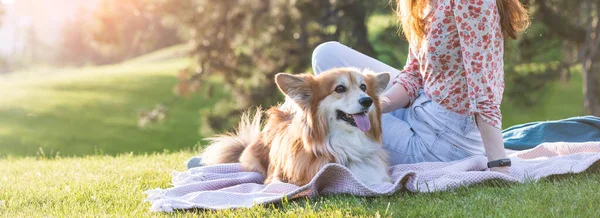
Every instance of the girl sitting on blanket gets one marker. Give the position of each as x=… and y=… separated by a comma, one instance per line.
x=445, y=104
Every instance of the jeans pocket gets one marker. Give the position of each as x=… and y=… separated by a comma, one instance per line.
x=397, y=135
x=457, y=153
x=445, y=151
x=421, y=114
x=443, y=131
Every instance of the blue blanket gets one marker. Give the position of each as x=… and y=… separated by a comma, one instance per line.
x=529, y=135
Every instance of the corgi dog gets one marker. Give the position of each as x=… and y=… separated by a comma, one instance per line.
x=333, y=117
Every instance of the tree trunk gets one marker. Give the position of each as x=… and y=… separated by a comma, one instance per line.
x=358, y=15
x=591, y=89
x=589, y=57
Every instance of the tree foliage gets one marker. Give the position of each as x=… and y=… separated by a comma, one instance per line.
x=127, y=28
x=248, y=42
x=577, y=23
x=76, y=43
x=114, y=31
x=245, y=43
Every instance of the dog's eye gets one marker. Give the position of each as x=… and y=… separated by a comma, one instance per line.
x=363, y=87
x=340, y=89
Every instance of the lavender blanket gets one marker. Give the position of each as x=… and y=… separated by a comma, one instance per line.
x=227, y=186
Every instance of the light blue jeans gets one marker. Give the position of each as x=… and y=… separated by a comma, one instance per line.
x=423, y=132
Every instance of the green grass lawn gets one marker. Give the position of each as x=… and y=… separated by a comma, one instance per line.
x=113, y=186
x=94, y=111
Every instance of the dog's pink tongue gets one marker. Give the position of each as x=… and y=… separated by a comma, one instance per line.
x=362, y=121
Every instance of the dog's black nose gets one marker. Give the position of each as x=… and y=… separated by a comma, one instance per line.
x=365, y=101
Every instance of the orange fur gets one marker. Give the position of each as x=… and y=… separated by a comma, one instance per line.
x=375, y=132
x=292, y=146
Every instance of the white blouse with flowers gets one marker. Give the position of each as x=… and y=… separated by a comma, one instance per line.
x=460, y=61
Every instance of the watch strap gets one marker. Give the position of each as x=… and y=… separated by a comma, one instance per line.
x=499, y=163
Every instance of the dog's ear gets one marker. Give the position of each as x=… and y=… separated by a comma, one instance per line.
x=297, y=87
x=382, y=80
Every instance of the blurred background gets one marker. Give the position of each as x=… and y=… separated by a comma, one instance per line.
x=90, y=77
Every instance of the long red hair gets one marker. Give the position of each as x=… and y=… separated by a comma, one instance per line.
x=514, y=18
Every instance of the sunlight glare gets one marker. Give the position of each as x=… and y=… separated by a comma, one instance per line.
x=8, y=2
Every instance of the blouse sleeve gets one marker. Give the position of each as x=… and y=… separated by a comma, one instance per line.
x=410, y=77
x=482, y=44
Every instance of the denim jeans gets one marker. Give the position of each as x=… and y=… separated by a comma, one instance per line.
x=423, y=132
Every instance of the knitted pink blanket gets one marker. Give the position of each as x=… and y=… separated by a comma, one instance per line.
x=227, y=186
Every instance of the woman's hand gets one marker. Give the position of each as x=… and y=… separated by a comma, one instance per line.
x=394, y=98
x=505, y=170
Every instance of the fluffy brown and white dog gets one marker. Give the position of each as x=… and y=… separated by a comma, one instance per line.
x=333, y=117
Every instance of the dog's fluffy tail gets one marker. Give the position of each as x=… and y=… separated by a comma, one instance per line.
x=228, y=148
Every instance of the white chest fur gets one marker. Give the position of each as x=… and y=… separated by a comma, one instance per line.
x=364, y=157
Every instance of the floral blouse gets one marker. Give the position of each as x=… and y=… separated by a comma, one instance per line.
x=460, y=61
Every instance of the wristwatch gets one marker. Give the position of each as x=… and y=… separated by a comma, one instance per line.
x=499, y=163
